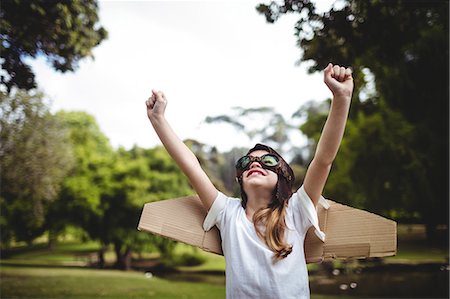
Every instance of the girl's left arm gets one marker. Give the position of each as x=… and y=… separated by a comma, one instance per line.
x=340, y=82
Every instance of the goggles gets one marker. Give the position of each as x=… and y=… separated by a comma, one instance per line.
x=268, y=161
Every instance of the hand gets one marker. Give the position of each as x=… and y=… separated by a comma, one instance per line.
x=156, y=104
x=339, y=80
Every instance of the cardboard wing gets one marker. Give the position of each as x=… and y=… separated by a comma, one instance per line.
x=349, y=232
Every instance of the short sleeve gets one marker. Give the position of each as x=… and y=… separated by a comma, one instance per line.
x=305, y=213
x=213, y=216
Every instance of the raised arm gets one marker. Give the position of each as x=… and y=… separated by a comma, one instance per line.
x=182, y=155
x=340, y=82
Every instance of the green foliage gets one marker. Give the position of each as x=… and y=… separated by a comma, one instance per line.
x=315, y=115
x=35, y=157
x=364, y=167
x=263, y=124
x=227, y=171
x=139, y=176
x=63, y=31
x=395, y=152
x=167, y=180
x=188, y=259
x=356, y=146
x=218, y=166
x=89, y=179
x=97, y=188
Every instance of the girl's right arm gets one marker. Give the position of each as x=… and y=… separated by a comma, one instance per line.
x=182, y=155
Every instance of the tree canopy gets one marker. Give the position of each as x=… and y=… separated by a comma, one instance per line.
x=34, y=159
x=90, y=177
x=395, y=152
x=62, y=31
x=59, y=170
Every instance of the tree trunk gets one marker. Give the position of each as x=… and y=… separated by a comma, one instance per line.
x=101, y=256
x=117, y=250
x=52, y=239
x=123, y=259
x=127, y=259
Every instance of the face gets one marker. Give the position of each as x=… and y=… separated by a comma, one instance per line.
x=258, y=177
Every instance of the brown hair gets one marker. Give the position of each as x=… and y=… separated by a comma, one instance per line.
x=272, y=217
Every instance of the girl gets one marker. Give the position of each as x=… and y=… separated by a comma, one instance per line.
x=263, y=233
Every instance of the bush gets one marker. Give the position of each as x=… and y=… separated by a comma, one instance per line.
x=185, y=259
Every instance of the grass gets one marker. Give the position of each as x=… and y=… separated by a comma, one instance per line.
x=413, y=246
x=213, y=262
x=38, y=272
x=42, y=282
x=65, y=254
x=418, y=253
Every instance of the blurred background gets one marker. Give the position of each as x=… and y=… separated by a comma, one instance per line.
x=79, y=158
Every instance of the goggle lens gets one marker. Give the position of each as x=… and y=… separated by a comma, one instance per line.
x=268, y=160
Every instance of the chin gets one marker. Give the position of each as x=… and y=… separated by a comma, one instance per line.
x=256, y=181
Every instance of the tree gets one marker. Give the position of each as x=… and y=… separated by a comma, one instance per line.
x=269, y=126
x=63, y=31
x=35, y=157
x=139, y=176
x=359, y=177
x=88, y=181
x=218, y=166
x=413, y=39
x=266, y=126
x=105, y=191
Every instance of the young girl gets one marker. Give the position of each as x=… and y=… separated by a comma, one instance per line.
x=263, y=233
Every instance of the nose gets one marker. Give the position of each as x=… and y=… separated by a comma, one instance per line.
x=255, y=164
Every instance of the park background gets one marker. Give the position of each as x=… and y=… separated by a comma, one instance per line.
x=79, y=158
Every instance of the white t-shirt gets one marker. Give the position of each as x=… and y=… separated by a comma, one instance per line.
x=250, y=270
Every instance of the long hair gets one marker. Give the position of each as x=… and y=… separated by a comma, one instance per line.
x=269, y=222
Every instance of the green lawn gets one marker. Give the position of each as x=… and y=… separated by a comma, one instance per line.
x=38, y=272
x=412, y=246
x=47, y=282
x=41, y=282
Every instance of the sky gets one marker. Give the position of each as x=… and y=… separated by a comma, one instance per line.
x=206, y=56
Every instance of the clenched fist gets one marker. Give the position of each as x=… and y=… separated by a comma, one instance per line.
x=339, y=80
x=156, y=105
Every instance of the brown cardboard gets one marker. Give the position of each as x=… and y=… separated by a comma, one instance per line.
x=350, y=232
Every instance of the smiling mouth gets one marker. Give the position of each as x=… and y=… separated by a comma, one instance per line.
x=255, y=172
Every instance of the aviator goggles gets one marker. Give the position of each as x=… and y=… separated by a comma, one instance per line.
x=267, y=161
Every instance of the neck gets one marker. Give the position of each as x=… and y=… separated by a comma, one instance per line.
x=256, y=200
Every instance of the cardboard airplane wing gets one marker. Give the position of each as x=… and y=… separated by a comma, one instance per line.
x=349, y=232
